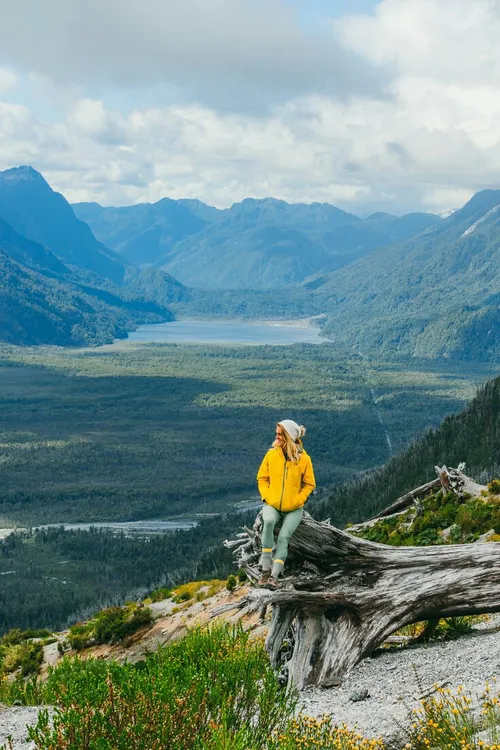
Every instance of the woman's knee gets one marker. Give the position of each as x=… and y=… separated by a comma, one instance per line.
x=269, y=524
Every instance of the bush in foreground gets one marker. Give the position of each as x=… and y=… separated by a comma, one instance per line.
x=215, y=690
x=212, y=687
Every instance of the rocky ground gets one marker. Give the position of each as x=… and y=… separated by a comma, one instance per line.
x=394, y=681
x=13, y=721
x=376, y=697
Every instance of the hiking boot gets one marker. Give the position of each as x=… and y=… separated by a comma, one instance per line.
x=272, y=583
x=264, y=577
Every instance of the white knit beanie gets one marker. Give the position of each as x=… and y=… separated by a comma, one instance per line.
x=294, y=430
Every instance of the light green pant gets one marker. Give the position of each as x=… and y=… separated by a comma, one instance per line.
x=271, y=516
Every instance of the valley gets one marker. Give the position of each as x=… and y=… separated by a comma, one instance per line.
x=132, y=432
x=155, y=431
x=398, y=329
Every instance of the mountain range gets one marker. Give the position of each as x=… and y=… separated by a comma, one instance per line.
x=255, y=244
x=437, y=295
x=414, y=285
x=58, y=284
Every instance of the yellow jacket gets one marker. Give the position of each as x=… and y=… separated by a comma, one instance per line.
x=284, y=484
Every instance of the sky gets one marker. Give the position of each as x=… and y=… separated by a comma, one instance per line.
x=371, y=105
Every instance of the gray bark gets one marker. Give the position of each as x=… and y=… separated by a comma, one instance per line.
x=344, y=595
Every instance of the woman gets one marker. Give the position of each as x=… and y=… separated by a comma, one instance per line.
x=285, y=480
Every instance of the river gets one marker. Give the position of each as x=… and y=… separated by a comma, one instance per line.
x=229, y=332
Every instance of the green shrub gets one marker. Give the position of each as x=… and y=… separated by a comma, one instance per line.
x=16, y=635
x=158, y=595
x=80, y=635
x=184, y=596
x=140, y=618
x=453, y=627
x=114, y=624
x=231, y=583
x=25, y=656
x=213, y=686
x=494, y=487
x=443, y=721
x=456, y=533
x=32, y=659
x=242, y=576
x=427, y=537
x=474, y=517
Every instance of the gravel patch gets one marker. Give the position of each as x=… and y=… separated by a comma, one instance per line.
x=13, y=721
x=394, y=681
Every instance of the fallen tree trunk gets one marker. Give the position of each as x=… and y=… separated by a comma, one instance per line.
x=344, y=595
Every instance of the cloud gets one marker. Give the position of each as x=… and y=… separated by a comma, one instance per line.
x=429, y=144
x=8, y=80
x=237, y=55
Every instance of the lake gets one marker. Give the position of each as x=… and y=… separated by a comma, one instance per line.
x=228, y=332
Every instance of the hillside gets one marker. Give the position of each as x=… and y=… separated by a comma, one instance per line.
x=472, y=436
x=38, y=213
x=35, y=309
x=433, y=296
x=255, y=244
x=45, y=301
x=143, y=233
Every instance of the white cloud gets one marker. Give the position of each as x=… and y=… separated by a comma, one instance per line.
x=8, y=80
x=239, y=55
x=430, y=144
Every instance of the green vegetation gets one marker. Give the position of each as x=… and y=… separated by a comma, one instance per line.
x=160, y=430
x=215, y=690
x=198, y=590
x=211, y=688
x=439, y=518
x=22, y=651
x=447, y=720
x=111, y=625
x=129, y=433
x=471, y=436
x=53, y=577
x=43, y=301
x=433, y=296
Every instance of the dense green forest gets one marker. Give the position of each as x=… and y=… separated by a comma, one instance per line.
x=472, y=436
x=433, y=296
x=52, y=577
x=157, y=431
x=131, y=432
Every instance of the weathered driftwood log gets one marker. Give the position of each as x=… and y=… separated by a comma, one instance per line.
x=344, y=596
x=451, y=480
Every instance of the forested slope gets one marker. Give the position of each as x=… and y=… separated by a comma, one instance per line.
x=37, y=212
x=472, y=436
x=434, y=296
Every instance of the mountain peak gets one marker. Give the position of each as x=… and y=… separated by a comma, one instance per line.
x=25, y=173
x=37, y=212
x=379, y=215
x=478, y=205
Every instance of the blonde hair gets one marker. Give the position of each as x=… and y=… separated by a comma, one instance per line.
x=294, y=448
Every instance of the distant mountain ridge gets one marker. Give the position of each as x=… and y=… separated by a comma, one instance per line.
x=437, y=295
x=40, y=214
x=143, y=232
x=254, y=245
x=415, y=285
x=43, y=298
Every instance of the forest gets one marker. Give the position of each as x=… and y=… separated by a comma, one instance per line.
x=53, y=577
x=156, y=431
x=160, y=431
